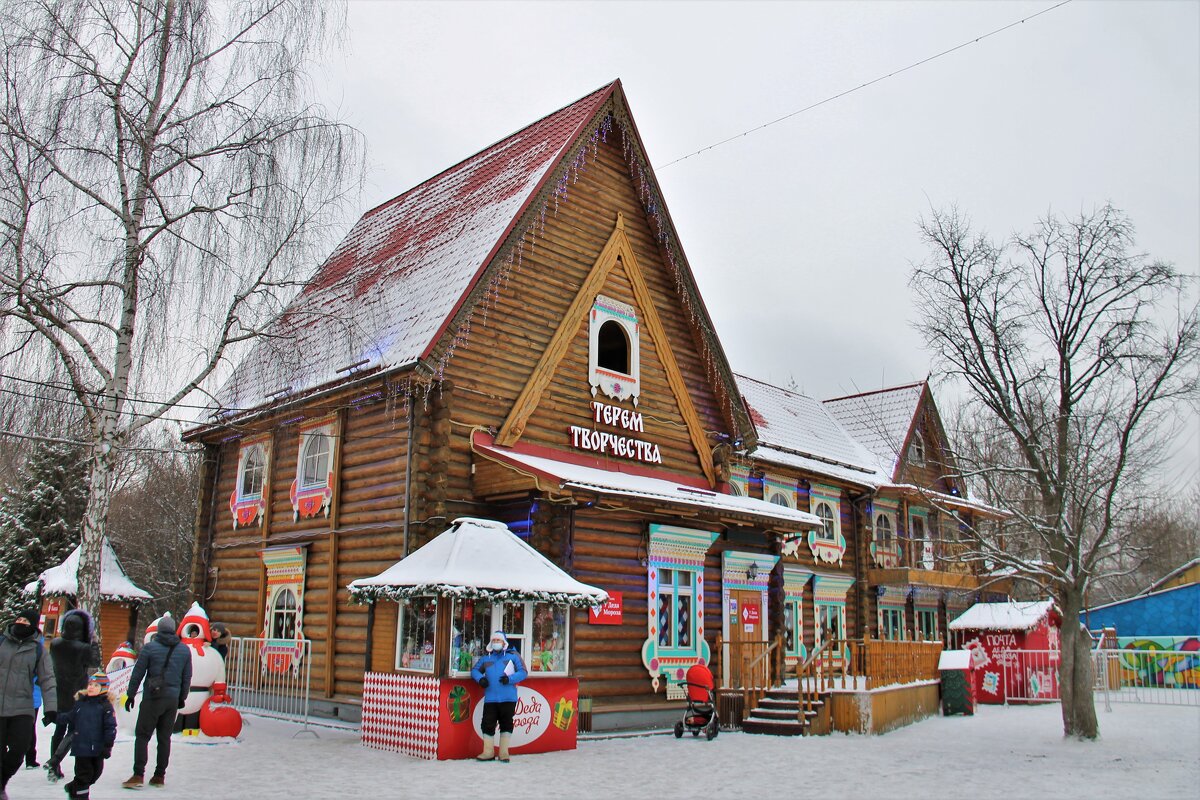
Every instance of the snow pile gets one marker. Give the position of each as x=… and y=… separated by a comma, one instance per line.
x=478, y=558
x=114, y=583
x=1010, y=616
x=1001, y=752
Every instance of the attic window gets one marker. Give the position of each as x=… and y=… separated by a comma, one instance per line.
x=612, y=348
x=613, y=363
x=917, y=450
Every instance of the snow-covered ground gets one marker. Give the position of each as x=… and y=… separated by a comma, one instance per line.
x=1145, y=752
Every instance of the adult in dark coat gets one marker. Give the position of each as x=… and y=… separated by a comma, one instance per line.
x=21, y=658
x=163, y=655
x=75, y=658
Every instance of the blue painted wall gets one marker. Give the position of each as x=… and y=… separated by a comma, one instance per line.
x=1172, y=612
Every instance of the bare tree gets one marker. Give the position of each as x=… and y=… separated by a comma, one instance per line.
x=164, y=184
x=1074, y=351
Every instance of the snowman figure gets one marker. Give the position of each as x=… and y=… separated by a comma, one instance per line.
x=208, y=667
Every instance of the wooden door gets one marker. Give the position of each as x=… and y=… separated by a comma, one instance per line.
x=747, y=641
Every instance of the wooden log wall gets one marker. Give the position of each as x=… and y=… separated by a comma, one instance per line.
x=369, y=510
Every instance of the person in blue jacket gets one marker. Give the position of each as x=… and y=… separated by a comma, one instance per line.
x=498, y=672
x=92, y=725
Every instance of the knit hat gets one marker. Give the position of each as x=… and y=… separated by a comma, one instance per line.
x=166, y=625
x=500, y=635
x=100, y=678
x=31, y=613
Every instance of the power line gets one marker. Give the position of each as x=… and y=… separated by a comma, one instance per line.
x=839, y=95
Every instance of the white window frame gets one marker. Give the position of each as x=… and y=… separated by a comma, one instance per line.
x=831, y=525
x=821, y=615
x=917, y=543
x=282, y=614
x=916, y=450
x=625, y=316
x=309, y=440
x=405, y=603
x=796, y=628
x=252, y=450
x=522, y=639
x=889, y=520
x=672, y=590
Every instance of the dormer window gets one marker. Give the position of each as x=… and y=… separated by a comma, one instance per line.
x=916, y=450
x=614, y=364
x=612, y=348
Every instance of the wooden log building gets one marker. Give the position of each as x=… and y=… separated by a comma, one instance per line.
x=519, y=338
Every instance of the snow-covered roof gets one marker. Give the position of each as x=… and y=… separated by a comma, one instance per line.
x=798, y=431
x=114, y=583
x=388, y=290
x=610, y=482
x=1012, y=615
x=478, y=558
x=880, y=420
x=1170, y=575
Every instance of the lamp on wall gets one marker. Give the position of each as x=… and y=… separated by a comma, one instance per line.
x=752, y=571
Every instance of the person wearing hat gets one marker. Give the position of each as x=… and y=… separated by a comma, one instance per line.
x=92, y=726
x=75, y=657
x=22, y=656
x=498, y=672
x=167, y=669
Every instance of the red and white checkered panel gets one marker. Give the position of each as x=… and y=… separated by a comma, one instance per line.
x=400, y=713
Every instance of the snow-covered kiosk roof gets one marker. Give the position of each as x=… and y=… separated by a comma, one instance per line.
x=478, y=558
x=114, y=583
x=1009, y=616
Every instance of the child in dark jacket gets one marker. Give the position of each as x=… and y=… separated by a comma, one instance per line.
x=92, y=726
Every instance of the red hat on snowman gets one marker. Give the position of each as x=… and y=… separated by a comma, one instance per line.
x=194, y=628
x=152, y=628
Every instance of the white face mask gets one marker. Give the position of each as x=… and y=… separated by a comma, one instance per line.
x=497, y=646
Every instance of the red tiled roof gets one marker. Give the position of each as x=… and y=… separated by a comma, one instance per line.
x=389, y=289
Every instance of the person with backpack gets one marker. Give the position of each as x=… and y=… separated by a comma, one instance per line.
x=167, y=669
x=22, y=656
x=74, y=656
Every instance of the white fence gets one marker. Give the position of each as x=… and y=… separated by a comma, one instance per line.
x=270, y=677
x=1163, y=677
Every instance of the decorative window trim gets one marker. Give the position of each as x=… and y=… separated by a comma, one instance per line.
x=926, y=628
x=826, y=549
x=739, y=480
x=285, y=568
x=524, y=638
x=675, y=548
x=308, y=500
x=885, y=555
x=783, y=488
x=794, y=581
x=250, y=508
x=829, y=597
x=922, y=546
x=617, y=385
x=892, y=601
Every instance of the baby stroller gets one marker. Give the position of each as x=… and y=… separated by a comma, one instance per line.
x=701, y=714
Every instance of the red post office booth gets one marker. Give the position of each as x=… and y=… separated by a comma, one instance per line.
x=447, y=598
x=1014, y=649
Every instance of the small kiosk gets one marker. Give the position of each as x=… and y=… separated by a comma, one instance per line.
x=120, y=598
x=1014, y=649
x=475, y=578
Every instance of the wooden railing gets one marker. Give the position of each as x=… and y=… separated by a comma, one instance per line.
x=754, y=667
x=867, y=664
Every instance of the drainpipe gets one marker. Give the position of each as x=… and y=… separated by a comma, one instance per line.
x=412, y=410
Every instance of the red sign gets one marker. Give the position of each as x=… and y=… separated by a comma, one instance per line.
x=544, y=719
x=53, y=607
x=750, y=613
x=607, y=614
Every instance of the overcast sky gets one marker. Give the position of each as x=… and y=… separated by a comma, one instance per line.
x=801, y=235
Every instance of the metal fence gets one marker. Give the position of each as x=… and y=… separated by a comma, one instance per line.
x=271, y=677
x=1162, y=677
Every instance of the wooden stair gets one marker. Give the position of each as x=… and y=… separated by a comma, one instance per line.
x=778, y=714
